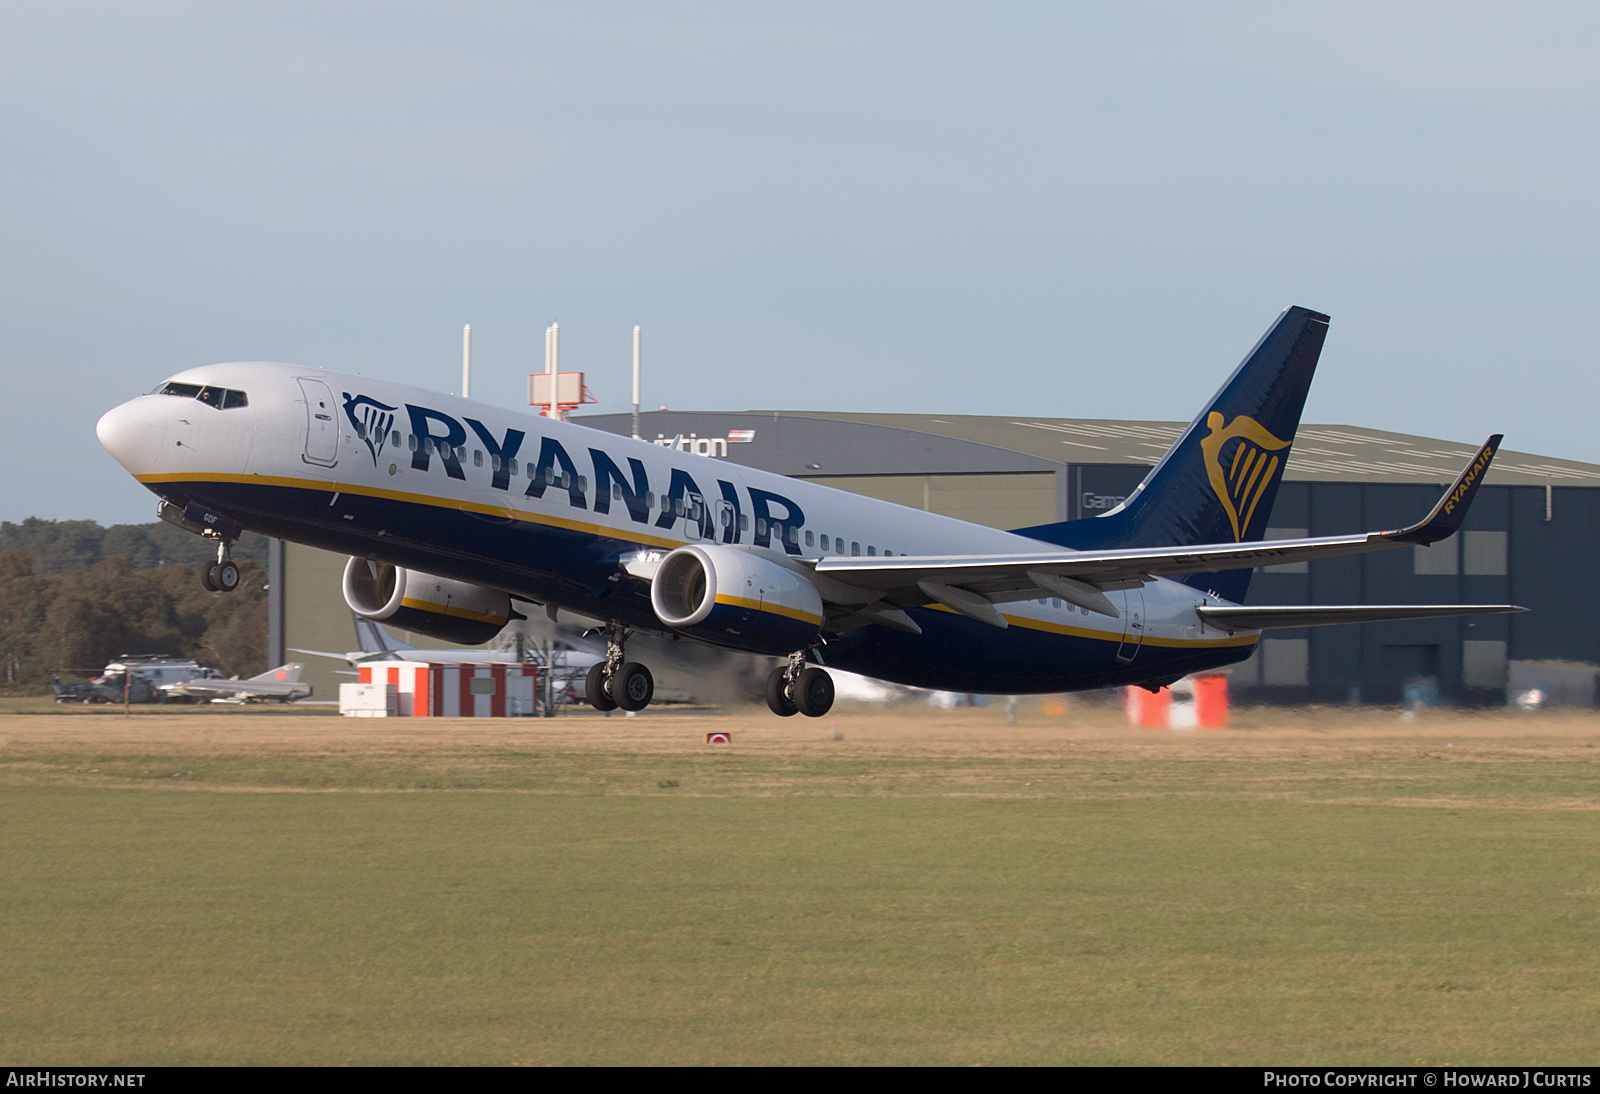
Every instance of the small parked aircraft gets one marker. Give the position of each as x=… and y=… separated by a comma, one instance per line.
x=281, y=685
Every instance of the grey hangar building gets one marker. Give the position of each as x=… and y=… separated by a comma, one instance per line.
x=1525, y=540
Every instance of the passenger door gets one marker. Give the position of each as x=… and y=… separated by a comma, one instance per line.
x=322, y=424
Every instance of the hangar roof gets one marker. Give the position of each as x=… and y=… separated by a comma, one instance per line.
x=1321, y=453
x=815, y=443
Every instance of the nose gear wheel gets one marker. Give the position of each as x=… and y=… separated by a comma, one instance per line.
x=221, y=576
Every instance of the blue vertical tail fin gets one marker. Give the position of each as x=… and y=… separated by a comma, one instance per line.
x=1217, y=482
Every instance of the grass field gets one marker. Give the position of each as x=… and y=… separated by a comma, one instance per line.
x=1310, y=887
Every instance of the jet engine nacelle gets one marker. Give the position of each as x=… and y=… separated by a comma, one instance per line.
x=452, y=611
x=736, y=598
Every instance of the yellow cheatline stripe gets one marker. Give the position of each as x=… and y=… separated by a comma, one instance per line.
x=1111, y=636
x=775, y=609
x=628, y=534
x=452, y=610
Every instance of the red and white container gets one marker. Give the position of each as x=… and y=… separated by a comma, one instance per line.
x=454, y=690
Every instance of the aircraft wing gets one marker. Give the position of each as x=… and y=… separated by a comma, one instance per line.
x=355, y=657
x=326, y=653
x=1082, y=576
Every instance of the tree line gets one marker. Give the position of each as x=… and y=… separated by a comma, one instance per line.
x=75, y=595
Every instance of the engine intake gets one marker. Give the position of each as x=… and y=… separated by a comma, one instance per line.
x=439, y=607
x=738, y=599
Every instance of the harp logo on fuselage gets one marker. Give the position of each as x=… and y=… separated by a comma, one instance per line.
x=1241, y=475
x=371, y=421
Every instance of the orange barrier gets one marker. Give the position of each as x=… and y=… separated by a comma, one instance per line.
x=1193, y=702
x=1211, y=701
x=1148, y=709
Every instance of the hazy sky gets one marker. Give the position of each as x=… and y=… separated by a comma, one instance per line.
x=1030, y=209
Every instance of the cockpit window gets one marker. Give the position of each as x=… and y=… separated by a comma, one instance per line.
x=222, y=398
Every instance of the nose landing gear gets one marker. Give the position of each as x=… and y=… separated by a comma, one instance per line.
x=614, y=683
x=221, y=576
x=798, y=688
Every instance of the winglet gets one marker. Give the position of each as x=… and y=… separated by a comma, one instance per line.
x=1452, y=508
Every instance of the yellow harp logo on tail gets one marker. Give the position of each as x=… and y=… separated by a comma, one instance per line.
x=1250, y=466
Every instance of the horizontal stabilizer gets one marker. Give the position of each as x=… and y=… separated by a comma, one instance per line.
x=1296, y=615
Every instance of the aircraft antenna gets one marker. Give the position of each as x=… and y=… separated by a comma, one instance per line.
x=635, y=383
x=552, y=364
x=466, y=361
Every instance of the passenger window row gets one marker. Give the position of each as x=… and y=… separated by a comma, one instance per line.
x=836, y=546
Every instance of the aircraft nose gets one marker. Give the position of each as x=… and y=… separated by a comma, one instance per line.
x=134, y=432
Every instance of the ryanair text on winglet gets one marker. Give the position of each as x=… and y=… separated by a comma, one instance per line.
x=1485, y=454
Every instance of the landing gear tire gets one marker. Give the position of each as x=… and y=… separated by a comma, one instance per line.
x=633, y=687
x=208, y=578
x=778, y=700
x=595, y=688
x=226, y=575
x=813, y=695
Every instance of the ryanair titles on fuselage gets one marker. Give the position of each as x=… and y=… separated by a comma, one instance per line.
x=770, y=518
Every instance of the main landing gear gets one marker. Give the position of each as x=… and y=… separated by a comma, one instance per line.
x=221, y=576
x=799, y=688
x=614, y=683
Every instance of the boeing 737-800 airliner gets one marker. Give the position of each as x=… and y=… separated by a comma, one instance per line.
x=452, y=510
